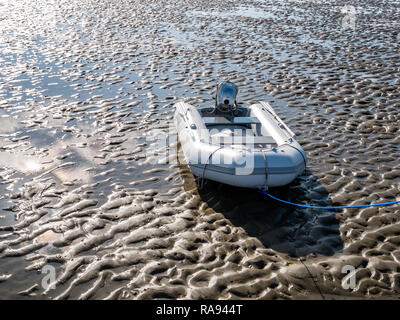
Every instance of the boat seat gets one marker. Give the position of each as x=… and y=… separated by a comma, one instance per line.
x=235, y=120
x=243, y=140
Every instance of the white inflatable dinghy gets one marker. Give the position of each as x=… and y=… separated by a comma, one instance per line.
x=245, y=147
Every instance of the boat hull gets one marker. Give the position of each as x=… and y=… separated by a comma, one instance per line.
x=245, y=164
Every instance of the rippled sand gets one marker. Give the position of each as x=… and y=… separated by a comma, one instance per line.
x=85, y=85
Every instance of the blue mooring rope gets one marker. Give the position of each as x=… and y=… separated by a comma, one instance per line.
x=331, y=208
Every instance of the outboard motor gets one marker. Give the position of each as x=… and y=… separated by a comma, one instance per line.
x=225, y=101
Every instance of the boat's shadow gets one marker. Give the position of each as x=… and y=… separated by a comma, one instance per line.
x=284, y=228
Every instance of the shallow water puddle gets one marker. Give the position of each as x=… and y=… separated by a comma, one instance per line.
x=84, y=87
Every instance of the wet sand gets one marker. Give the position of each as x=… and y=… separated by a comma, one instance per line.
x=85, y=85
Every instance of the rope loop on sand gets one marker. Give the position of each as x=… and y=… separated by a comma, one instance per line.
x=330, y=208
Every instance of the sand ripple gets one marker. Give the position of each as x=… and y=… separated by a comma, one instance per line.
x=85, y=86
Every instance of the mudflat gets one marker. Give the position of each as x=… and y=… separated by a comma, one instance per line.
x=95, y=204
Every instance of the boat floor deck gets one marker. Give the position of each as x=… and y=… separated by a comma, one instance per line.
x=235, y=134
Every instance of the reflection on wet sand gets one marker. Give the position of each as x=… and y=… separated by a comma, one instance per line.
x=84, y=86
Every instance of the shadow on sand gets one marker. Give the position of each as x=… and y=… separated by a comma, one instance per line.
x=284, y=228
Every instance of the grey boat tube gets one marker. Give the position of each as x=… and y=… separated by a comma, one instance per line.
x=256, y=151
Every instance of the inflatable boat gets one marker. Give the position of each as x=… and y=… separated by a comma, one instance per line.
x=247, y=147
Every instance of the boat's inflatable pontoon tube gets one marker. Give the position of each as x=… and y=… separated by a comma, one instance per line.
x=267, y=157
